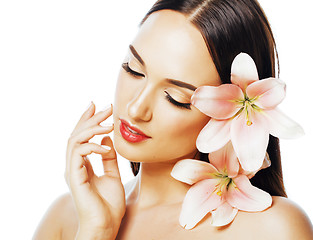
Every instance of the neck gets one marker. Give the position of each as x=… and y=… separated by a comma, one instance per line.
x=155, y=186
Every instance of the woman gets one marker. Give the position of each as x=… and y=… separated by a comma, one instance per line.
x=181, y=45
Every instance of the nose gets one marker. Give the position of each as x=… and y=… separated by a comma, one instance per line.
x=140, y=108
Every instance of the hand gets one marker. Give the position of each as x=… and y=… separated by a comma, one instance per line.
x=99, y=201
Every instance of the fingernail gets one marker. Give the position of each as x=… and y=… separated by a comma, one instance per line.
x=106, y=147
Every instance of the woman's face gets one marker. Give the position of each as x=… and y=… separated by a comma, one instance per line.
x=165, y=63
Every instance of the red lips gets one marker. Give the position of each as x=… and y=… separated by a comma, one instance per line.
x=130, y=133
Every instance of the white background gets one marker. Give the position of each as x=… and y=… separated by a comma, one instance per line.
x=57, y=56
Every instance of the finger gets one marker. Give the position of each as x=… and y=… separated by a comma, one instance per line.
x=100, y=116
x=89, y=168
x=79, y=181
x=79, y=184
x=77, y=162
x=89, y=112
x=109, y=159
x=85, y=149
x=94, y=120
x=82, y=138
x=86, y=134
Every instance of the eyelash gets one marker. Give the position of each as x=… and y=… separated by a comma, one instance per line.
x=132, y=72
x=178, y=104
x=126, y=67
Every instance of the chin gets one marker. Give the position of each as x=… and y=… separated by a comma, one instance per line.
x=134, y=152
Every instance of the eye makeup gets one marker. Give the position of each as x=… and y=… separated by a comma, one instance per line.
x=168, y=97
x=178, y=104
x=126, y=67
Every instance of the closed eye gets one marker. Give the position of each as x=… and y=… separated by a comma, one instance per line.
x=178, y=104
x=130, y=71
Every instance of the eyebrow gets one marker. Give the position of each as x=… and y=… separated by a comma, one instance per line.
x=172, y=81
x=136, y=55
x=181, y=84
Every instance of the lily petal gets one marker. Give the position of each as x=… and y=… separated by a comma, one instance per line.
x=199, y=200
x=191, y=171
x=243, y=71
x=214, y=135
x=218, y=102
x=225, y=160
x=242, y=195
x=282, y=126
x=269, y=92
x=223, y=215
x=266, y=163
x=250, y=142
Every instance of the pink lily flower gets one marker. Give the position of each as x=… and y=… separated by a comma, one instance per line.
x=244, y=112
x=219, y=187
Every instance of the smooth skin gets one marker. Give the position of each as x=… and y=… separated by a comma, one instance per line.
x=99, y=202
x=97, y=207
x=65, y=218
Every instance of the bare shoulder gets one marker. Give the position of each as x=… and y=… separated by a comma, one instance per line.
x=60, y=221
x=285, y=220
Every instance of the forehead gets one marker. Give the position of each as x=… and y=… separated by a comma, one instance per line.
x=173, y=48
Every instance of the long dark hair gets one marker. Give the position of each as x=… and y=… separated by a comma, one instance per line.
x=228, y=28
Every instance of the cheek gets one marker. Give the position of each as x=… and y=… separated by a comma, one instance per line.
x=174, y=130
x=121, y=90
x=179, y=129
x=179, y=125
x=188, y=127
